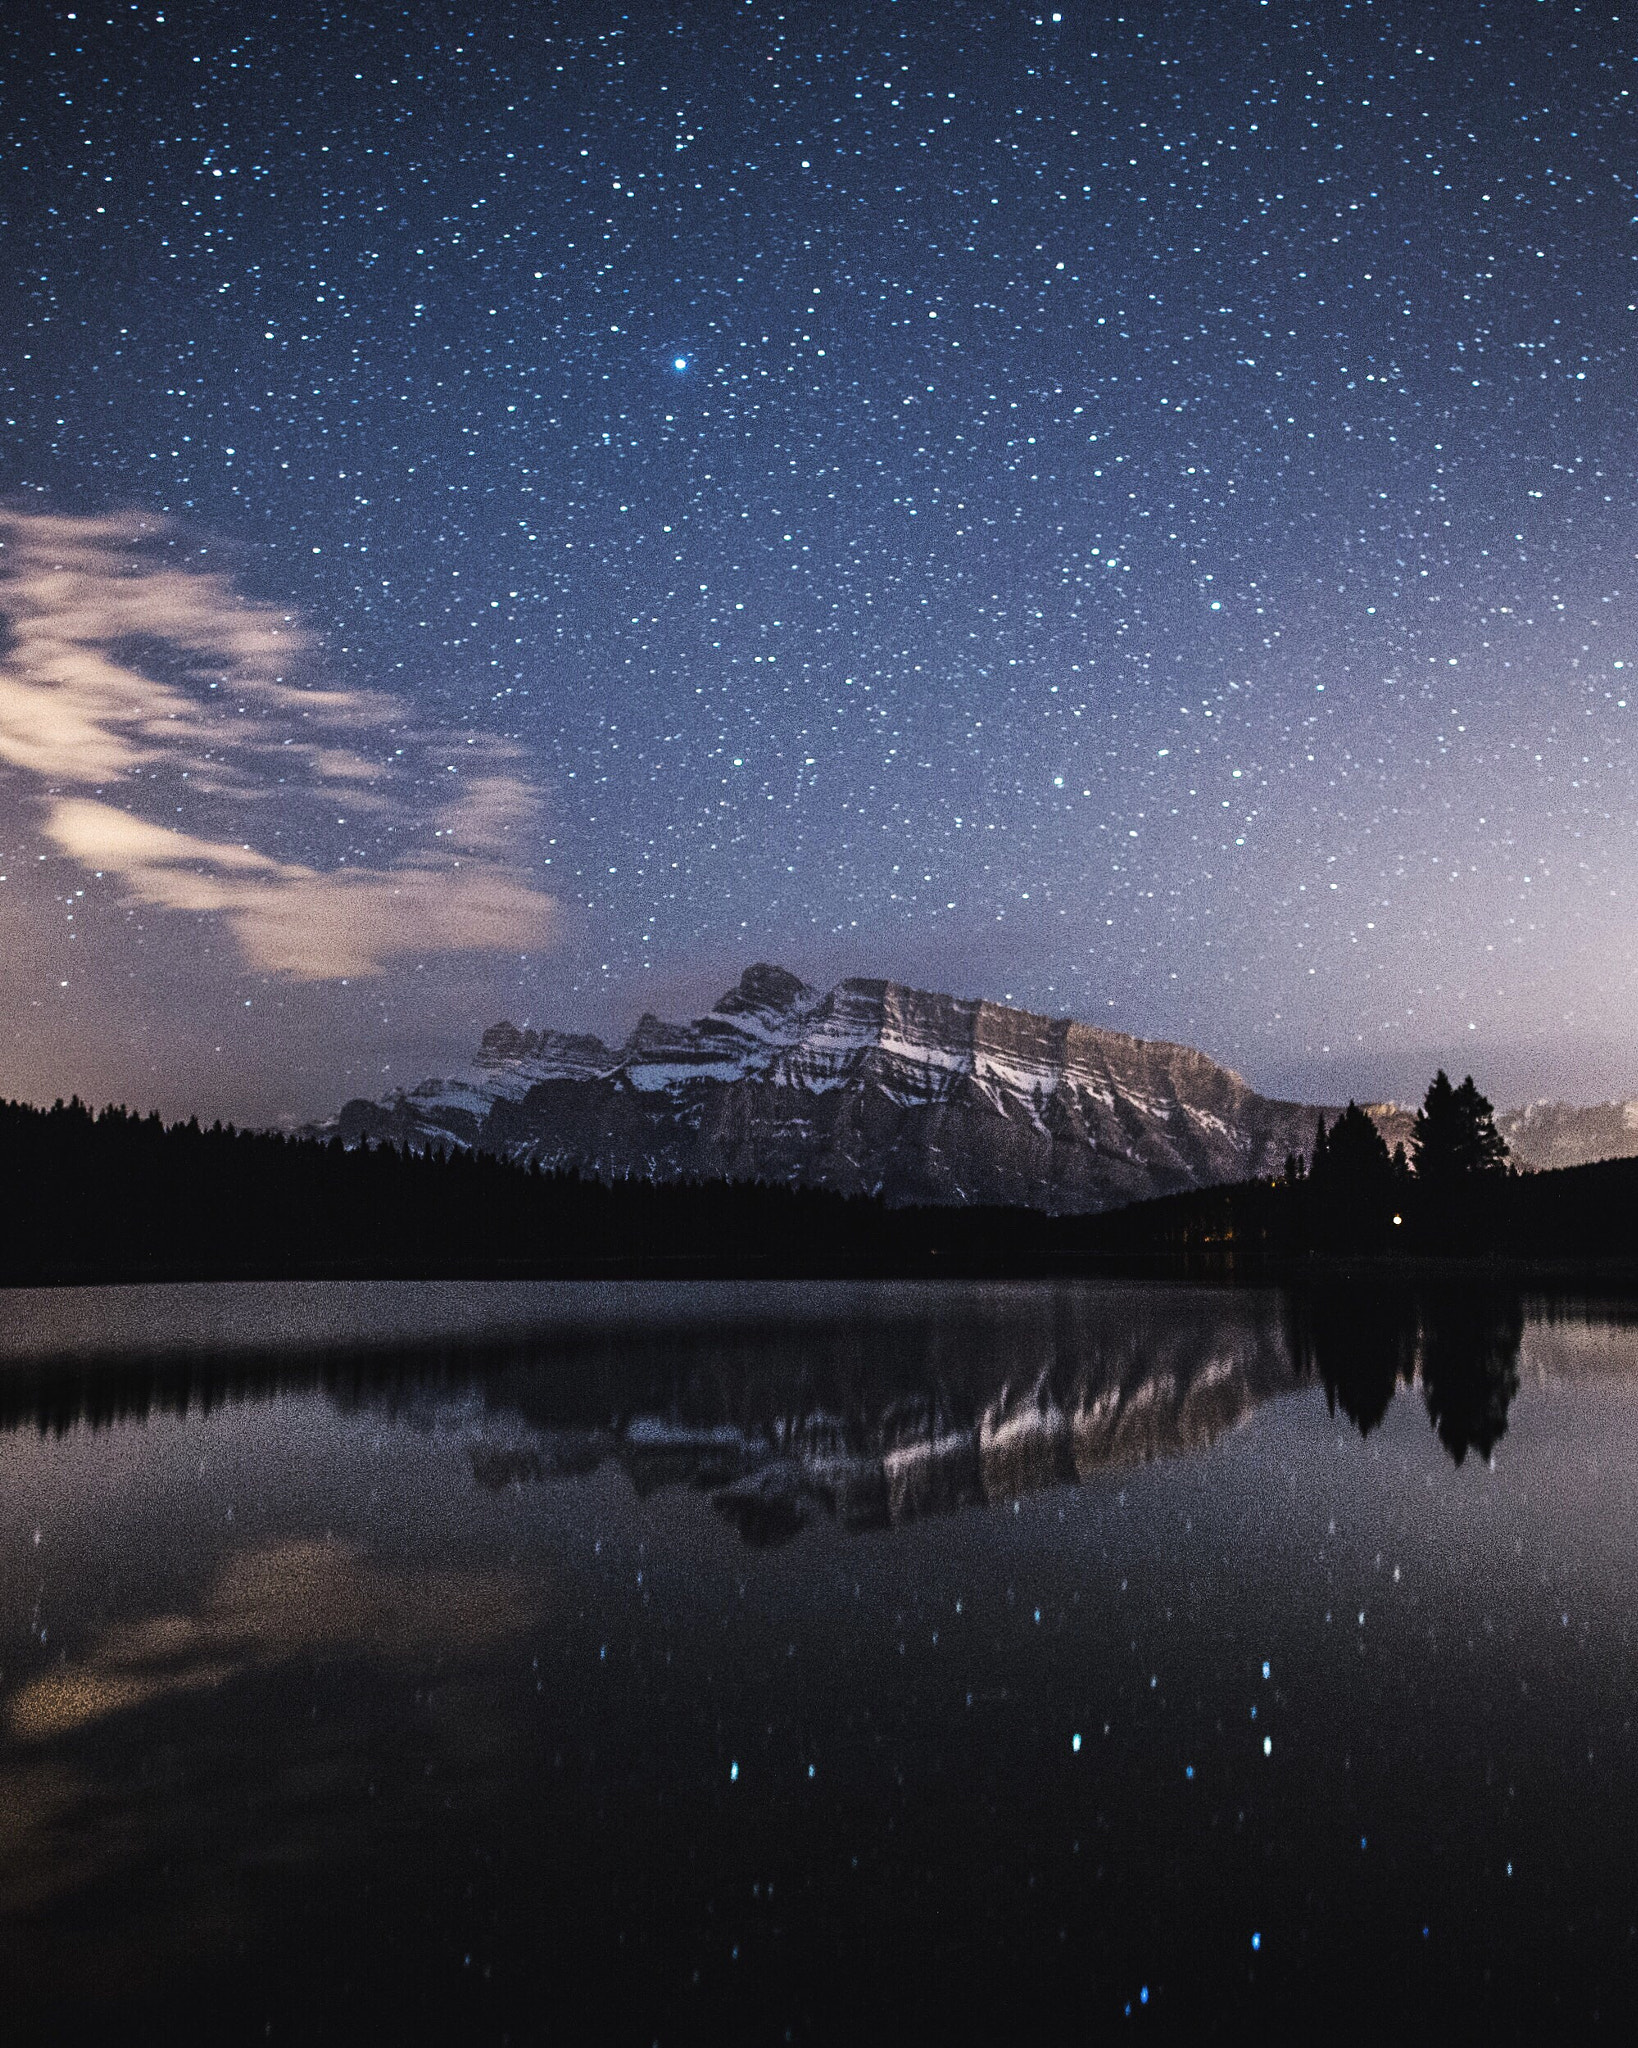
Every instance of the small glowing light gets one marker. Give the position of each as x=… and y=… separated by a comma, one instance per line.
x=679, y=362
x=1268, y=1745
x=1256, y=1941
x=1399, y=1219
x=1265, y=1667
x=1075, y=1744
x=733, y=1774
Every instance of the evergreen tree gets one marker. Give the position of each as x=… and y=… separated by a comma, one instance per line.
x=1355, y=1157
x=1455, y=1135
x=1351, y=1189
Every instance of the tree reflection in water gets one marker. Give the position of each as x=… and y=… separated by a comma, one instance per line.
x=1362, y=1344
x=1470, y=1369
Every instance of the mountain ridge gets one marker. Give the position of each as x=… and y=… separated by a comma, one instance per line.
x=870, y=1087
x=877, y=1087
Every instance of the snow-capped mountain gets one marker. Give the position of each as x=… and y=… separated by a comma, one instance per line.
x=1547, y=1134
x=872, y=1087
x=875, y=1087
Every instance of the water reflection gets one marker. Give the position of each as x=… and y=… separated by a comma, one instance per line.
x=876, y=1409
x=965, y=1397
x=1470, y=1370
x=1363, y=1343
x=542, y=1687
x=268, y=1605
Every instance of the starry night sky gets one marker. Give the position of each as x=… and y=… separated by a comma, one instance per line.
x=1127, y=514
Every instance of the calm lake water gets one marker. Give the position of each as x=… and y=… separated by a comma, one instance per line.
x=662, y=1663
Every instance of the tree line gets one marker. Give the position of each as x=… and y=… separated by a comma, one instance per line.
x=1454, y=1194
x=1352, y=1192
x=102, y=1196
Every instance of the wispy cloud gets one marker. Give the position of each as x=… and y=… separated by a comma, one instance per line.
x=138, y=686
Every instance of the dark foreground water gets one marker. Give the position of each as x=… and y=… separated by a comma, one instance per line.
x=814, y=1663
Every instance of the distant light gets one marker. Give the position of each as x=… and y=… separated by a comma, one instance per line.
x=679, y=362
x=1399, y=1219
x=733, y=1774
x=1268, y=1745
x=1075, y=1744
x=1256, y=1941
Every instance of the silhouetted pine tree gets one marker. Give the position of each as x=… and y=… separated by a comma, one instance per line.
x=1351, y=1190
x=1455, y=1135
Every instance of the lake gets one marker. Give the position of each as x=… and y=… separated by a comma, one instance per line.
x=802, y=1662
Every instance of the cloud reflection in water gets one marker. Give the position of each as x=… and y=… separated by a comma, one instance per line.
x=266, y=1606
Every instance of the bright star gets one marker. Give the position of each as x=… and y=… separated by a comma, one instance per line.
x=679, y=362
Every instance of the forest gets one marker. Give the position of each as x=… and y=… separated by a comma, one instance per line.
x=112, y=1196
x=1453, y=1196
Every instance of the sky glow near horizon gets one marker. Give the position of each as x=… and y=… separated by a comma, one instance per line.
x=1130, y=515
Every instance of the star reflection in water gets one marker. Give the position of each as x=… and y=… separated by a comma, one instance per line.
x=634, y=1656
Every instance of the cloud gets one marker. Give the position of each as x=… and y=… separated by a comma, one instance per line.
x=135, y=681
x=293, y=920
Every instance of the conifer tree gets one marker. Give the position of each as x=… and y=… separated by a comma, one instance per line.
x=1455, y=1135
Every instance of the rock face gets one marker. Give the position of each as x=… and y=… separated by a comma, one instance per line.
x=869, y=1088
x=1546, y=1134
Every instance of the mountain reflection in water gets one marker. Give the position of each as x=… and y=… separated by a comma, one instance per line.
x=1006, y=1393
x=438, y=1666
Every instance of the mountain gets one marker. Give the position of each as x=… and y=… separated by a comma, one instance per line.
x=870, y=1088
x=1548, y=1134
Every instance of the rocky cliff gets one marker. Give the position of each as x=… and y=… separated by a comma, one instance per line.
x=870, y=1087
x=1548, y=1134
